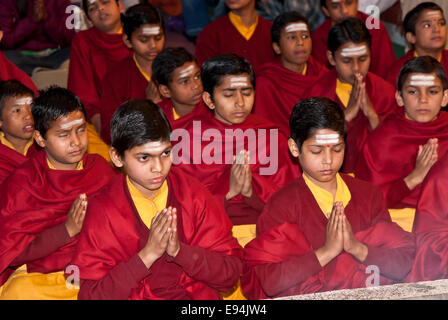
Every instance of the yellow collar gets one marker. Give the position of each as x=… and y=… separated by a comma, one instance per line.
x=175, y=115
x=304, y=69
x=438, y=59
x=8, y=144
x=246, y=32
x=78, y=167
x=343, y=91
x=147, y=77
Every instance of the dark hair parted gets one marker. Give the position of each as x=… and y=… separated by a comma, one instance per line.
x=53, y=103
x=12, y=89
x=168, y=60
x=313, y=114
x=137, y=122
x=424, y=64
x=138, y=15
x=284, y=19
x=410, y=20
x=348, y=30
x=214, y=69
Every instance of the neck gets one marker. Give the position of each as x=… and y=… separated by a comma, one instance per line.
x=330, y=186
x=62, y=166
x=144, y=64
x=182, y=109
x=247, y=14
x=435, y=53
x=18, y=144
x=293, y=66
x=115, y=28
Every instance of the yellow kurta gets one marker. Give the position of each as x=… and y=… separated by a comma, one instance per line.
x=246, y=32
x=96, y=145
x=343, y=91
x=8, y=144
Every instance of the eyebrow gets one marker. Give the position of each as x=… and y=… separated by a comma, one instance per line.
x=145, y=153
x=323, y=145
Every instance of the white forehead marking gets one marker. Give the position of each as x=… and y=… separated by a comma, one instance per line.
x=92, y=1
x=238, y=82
x=419, y=80
x=350, y=52
x=151, y=30
x=296, y=27
x=72, y=123
x=327, y=138
x=434, y=14
x=23, y=101
x=187, y=71
x=336, y=1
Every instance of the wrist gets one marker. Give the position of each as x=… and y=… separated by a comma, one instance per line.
x=230, y=195
x=412, y=181
x=247, y=194
x=147, y=258
x=359, y=251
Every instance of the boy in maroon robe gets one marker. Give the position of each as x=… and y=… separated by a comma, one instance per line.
x=284, y=81
x=242, y=31
x=143, y=33
x=16, y=126
x=154, y=233
x=178, y=78
x=365, y=98
x=398, y=155
x=325, y=230
x=336, y=11
x=43, y=202
x=425, y=30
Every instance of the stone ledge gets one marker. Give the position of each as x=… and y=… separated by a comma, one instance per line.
x=425, y=290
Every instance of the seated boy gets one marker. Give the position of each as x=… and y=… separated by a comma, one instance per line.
x=178, y=78
x=284, y=81
x=398, y=155
x=431, y=226
x=247, y=159
x=154, y=233
x=43, y=202
x=129, y=79
x=425, y=30
x=323, y=230
x=336, y=11
x=365, y=98
x=242, y=31
x=94, y=52
x=16, y=126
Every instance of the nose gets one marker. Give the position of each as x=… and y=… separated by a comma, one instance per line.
x=156, y=165
x=423, y=97
x=75, y=141
x=355, y=68
x=239, y=102
x=28, y=115
x=344, y=10
x=152, y=43
x=327, y=156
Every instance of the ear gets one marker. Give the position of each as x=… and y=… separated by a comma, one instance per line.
x=331, y=58
x=127, y=41
x=411, y=38
x=276, y=48
x=164, y=91
x=208, y=100
x=325, y=11
x=115, y=157
x=445, y=98
x=1, y=35
x=121, y=6
x=399, y=98
x=39, y=139
x=293, y=148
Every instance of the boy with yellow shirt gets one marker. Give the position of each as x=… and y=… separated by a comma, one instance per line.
x=154, y=233
x=16, y=126
x=44, y=201
x=334, y=229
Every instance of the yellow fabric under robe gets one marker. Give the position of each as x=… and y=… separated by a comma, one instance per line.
x=403, y=217
x=96, y=145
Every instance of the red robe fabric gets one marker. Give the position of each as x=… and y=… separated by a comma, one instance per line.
x=92, y=54
x=167, y=107
x=431, y=226
x=8, y=71
x=215, y=176
x=390, y=152
x=11, y=159
x=35, y=198
x=382, y=51
x=220, y=36
x=394, y=70
x=281, y=260
x=209, y=260
x=358, y=128
x=279, y=89
x=121, y=83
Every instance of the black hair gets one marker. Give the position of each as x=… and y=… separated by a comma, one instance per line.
x=284, y=19
x=168, y=60
x=410, y=20
x=85, y=6
x=313, y=114
x=53, y=103
x=214, y=69
x=137, y=122
x=12, y=89
x=138, y=15
x=323, y=3
x=424, y=64
x=348, y=30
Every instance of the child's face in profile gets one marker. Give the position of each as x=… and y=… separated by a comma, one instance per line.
x=66, y=141
x=295, y=44
x=16, y=118
x=422, y=96
x=321, y=156
x=430, y=31
x=233, y=99
x=351, y=59
x=339, y=10
x=147, y=41
x=104, y=14
x=186, y=86
x=147, y=165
